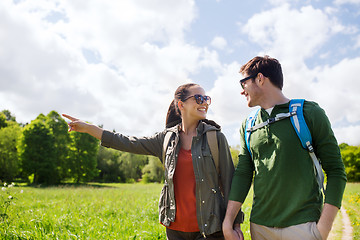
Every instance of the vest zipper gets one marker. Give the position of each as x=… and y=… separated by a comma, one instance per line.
x=200, y=202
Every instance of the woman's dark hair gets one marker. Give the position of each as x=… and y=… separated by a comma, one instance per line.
x=173, y=116
x=269, y=67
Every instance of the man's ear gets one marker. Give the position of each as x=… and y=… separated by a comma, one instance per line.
x=261, y=79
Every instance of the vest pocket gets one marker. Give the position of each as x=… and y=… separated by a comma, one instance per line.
x=217, y=210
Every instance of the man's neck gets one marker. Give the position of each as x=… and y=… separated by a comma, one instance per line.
x=273, y=98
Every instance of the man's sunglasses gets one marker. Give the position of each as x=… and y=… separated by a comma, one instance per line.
x=200, y=99
x=242, y=81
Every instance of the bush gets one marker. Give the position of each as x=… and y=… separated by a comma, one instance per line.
x=351, y=158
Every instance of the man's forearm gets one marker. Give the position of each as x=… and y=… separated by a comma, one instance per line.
x=232, y=210
x=326, y=220
x=230, y=231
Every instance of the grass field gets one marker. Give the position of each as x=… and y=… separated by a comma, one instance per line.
x=98, y=211
x=114, y=211
x=351, y=202
x=106, y=211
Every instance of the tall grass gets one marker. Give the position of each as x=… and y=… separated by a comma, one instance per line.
x=108, y=211
x=116, y=211
x=99, y=211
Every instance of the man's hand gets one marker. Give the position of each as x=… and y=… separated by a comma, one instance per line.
x=233, y=233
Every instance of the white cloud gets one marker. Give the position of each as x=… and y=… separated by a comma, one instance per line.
x=141, y=56
x=334, y=90
x=144, y=59
x=279, y=2
x=331, y=10
x=219, y=42
x=287, y=32
x=228, y=107
x=293, y=36
x=340, y=2
x=349, y=135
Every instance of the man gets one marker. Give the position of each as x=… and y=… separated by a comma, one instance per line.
x=288, y=203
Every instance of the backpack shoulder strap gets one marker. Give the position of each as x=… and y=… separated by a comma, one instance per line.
x=214, y=148
x=165, y=145
x=303, y=132
x=298, y=122
x=250, y=122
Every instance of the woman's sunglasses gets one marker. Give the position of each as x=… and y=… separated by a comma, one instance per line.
x=200, y=99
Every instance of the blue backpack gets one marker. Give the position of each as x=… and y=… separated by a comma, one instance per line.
x=298, y=121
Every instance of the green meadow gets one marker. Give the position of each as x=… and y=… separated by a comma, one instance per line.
x=99, y=211
x=105, y=211
x=351, y=202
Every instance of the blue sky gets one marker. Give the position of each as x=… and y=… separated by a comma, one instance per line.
x=118, y=63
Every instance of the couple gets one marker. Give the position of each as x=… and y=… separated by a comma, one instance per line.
x=287, y=204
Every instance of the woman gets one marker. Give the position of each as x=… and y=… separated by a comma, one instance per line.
x=192, y=204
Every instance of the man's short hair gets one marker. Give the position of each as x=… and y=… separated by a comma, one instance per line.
x=269, y=67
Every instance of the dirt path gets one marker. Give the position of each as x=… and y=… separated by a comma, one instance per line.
x=347, y=228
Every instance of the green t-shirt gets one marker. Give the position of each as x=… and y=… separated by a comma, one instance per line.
x=286, y=191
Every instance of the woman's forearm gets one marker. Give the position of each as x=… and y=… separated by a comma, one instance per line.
x=94, y=131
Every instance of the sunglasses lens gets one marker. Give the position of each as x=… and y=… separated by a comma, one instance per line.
x=207, y=99
x=199, y=99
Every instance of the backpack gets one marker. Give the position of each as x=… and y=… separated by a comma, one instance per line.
x=296, y=115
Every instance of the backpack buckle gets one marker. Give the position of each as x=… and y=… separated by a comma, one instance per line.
x=271, y=120
x=310, y=147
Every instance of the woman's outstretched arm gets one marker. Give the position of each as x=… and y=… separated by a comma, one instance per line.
x=81, y=126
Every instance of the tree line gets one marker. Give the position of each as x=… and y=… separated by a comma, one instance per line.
x=44, y=152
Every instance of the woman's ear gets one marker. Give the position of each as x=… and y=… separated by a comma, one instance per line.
x=180, y=105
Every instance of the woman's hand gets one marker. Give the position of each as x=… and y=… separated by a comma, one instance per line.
x=76, y=124
x=237, y=229
x=81, y=126
x=233, y=233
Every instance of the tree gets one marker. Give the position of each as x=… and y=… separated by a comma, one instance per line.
x=59, y=129
x=37, y=153
x=9, y=162
x=109, y=165
x=235, y=154
x=2, y=120
x=82, y=157
x=9, y=116
x=351, y=159
x=153, y=171
x=132, y=164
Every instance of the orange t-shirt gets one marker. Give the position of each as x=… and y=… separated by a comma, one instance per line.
x=185, y=199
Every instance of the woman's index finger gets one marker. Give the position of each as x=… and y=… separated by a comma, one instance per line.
x=69, y=117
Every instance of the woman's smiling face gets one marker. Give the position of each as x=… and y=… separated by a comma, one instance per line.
x=191, y=108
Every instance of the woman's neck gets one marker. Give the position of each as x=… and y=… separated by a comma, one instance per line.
x=189, y=127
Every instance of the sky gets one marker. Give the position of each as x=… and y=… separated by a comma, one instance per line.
x=118, y=63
